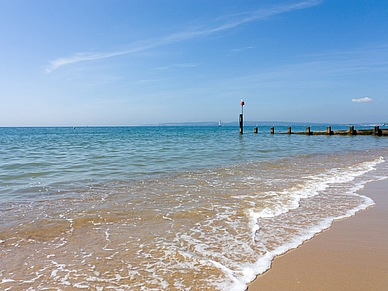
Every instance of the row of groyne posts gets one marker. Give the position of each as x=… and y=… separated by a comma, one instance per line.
x=374, y=131
x=351, y=131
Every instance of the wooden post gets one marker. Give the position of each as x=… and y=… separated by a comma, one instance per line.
x=308, y=132
x=376, y=130
x=329, y=132
x=241, y=123
x=272, y=130
x=289, y=130
x=255, y=130
x=351, y=130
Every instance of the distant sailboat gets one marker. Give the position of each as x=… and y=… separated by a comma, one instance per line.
x=219, y=123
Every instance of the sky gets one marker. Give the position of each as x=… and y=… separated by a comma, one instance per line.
x=138, y=62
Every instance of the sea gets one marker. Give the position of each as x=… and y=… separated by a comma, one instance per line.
x=168, y=207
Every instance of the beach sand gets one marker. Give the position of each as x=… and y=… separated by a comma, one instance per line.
x=351, y=255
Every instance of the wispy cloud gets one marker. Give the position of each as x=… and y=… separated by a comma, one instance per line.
x=371, y=60
x=147, y=81
x=318, y=74
x=365, y=99
x=240, y=50
x=176, y=66
x=234, y=21
x=81, y=57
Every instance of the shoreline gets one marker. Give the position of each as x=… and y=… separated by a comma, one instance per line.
x=350, y=255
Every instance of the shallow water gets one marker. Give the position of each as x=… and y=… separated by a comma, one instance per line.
x=157, y=208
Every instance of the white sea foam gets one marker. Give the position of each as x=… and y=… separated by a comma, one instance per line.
x=6, y=280
x=264, y=263
x=315, y=185
x=322, y=182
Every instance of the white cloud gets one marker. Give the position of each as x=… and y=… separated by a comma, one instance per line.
x=365, y=99
x=173, y=38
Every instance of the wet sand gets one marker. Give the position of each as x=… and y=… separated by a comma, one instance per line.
x=351, y=255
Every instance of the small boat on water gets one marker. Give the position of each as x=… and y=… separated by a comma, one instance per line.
x=219, y=123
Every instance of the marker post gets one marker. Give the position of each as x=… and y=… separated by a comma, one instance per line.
x=241, y=116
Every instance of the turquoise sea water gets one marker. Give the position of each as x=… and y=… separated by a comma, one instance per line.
x=169, y=208
x=35, y=160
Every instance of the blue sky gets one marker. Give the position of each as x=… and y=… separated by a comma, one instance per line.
x=74, y=63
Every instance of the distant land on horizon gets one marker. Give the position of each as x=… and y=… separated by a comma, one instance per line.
x=214, y=123
x=270, y=123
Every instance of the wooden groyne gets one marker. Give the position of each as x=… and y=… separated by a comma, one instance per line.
x=377, y=131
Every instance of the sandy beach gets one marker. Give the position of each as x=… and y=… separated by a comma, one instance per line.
x=351, y=255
